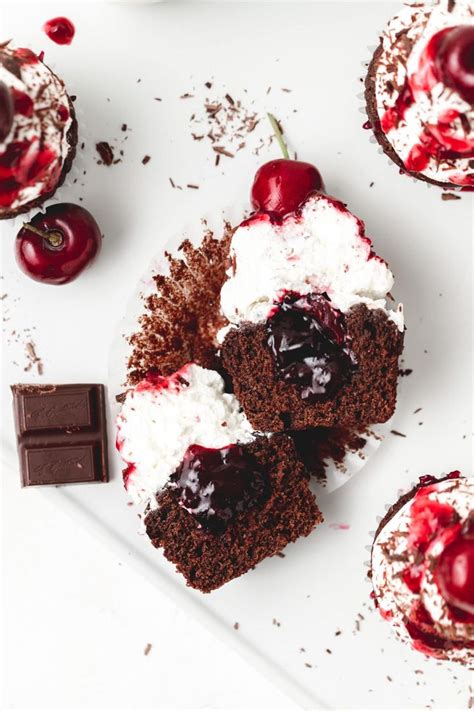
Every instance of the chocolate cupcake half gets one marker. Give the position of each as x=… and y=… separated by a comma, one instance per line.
x=38, y=131
x=311, y=340
x=419, y=92
x=219, y=498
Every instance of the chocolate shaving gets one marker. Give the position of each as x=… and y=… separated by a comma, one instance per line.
x=222, y=151
x=105, y=152
x=450, y=196
x=399, y=434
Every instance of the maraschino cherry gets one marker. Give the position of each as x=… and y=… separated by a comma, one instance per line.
x=455, y=60
x=55, y=246
x=281, y=185
x=455, y=573
x=7, y=111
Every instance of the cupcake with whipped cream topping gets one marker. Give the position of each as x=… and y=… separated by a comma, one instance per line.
x=38, y=131
x=420, y=92
x=422, y=567
x=218, y=497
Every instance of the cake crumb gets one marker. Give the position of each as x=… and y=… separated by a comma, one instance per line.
x=307, y=664
x=146, y=159
x=147, y=649
x=236, y=625
x=275, y=622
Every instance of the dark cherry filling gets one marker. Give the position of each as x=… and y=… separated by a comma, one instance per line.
x=308, y=340
x=217, y=484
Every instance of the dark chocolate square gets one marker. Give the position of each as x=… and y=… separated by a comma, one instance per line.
x=61, y=433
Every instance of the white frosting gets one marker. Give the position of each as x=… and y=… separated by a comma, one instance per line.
x=48, y=94
x=391, y=556
x=421, y=23
x=323, y=249
x=156, y=425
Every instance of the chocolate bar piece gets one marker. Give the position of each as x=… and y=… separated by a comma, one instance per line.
x=61, y=433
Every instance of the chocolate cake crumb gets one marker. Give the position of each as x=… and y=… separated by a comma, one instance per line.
x=328, y=651
x=236, y=625
x=276, y=623
x=307, y=664
x=146, y=159
x=404, y=372
x=147, y=649
x=105, y=152
x=450, y=196
x=319, y=446
x=183, y=316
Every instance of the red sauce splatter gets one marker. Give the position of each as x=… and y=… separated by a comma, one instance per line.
x=60, y=30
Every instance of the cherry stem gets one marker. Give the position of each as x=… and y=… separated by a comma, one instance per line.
x=54, y=237
x=279, y=135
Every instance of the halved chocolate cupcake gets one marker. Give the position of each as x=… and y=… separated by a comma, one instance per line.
x=38, y=131
x=219, y=497
x=311, y=340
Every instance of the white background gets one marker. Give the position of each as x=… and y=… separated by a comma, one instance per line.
x=77, y=617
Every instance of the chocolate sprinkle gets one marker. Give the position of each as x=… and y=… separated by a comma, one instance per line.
x=105, y=152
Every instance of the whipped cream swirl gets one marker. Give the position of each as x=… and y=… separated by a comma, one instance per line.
x=161, y=417
x=322, y=247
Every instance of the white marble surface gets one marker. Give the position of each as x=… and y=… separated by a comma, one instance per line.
x=77, y=620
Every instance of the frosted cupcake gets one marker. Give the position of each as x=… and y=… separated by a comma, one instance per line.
x=38, y=131
x=423, y=567
x=420, y=92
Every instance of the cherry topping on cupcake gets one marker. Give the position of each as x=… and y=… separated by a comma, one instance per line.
x=455, y=60
x=455, y=572
x=57, y=245
x=7, y=110
x=281, y=185
x=216, y=484
x=308, y=340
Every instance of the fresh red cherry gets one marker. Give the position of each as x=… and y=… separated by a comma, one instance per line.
x=455, y=574
x=55, y=246
x=281, y=185
x=7, y=111
x=455, y=60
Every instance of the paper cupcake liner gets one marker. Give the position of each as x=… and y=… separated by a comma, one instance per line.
x=336, y=473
